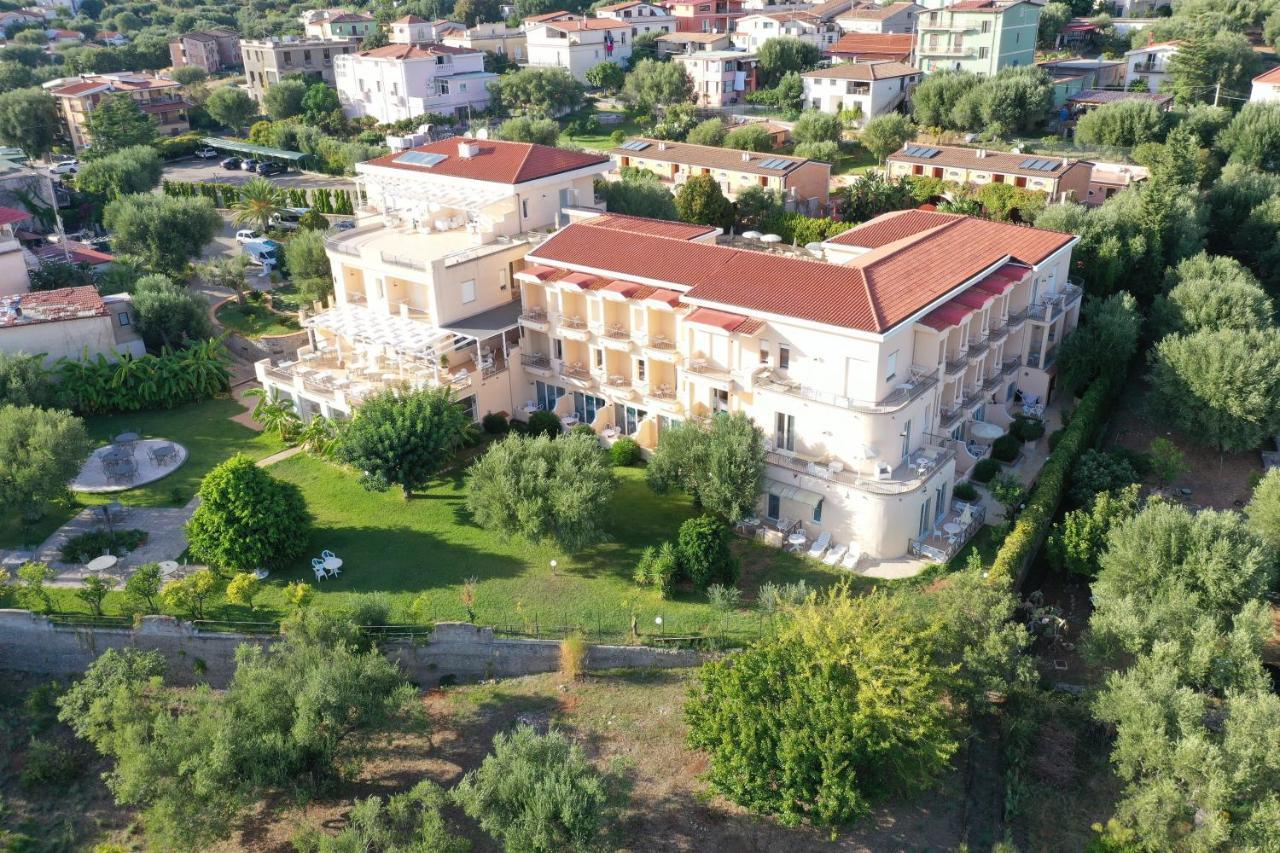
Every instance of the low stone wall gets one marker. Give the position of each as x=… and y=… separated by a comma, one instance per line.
x=456, y=651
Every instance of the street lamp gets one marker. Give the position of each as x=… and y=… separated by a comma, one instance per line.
x=553, y=566
x=658, y=621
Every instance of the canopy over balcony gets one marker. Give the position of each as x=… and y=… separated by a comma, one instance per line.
x=361, y=325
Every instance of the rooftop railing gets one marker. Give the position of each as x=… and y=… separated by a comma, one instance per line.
x=920, y=382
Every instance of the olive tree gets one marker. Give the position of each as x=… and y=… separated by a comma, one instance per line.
x=721, y=465
x=41, y=450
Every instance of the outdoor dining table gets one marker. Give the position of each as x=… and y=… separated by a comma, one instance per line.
x=332, y=564
x=796, y=540
x=952, y=528
x=126, y=437
x=101, y=564
x=168, y=567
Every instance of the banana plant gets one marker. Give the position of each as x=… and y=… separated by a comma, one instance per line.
x=319, y=436
x=275, y=413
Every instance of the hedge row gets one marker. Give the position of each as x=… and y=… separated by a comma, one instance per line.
x=320, y=199
x=1034, y=521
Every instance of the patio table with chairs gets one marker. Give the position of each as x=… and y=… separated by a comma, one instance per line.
x=327, y=565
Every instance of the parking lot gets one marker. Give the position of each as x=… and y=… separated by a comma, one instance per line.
x=196, y=170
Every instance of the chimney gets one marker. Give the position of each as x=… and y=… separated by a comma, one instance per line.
x=467, y=150
x=746, y=156
x=982, y=153
x=662, y=146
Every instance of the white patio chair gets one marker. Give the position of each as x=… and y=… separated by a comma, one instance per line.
x=835, y=555
x=819, y=547
x=327, y=555
x=851, y=559
x=317, y=566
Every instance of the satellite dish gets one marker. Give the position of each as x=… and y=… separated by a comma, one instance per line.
x=771, y=238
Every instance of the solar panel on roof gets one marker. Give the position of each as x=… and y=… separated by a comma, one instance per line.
x=635, y=145
x=420, y=158
x=1027, y=163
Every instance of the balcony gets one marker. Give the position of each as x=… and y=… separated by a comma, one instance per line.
x=956, y=366
x=909, y=475
x=615, y=337
x=701, y=368
x=951, y=419
x=998, y=334
x=1042, y=360
x=1011, y=365
x=1016, y=319
x=537, y=363
x=939, y=545
x=405, y=261
x=1050, y=308
x=951, y=50
x=573, y=328
x=979, y=347
x=577, y=374
x=663, y=397
x=535, y=319
x=661, y=348
x=897, y=399
x=972, y=397
x=618, y=385
x=993, y=382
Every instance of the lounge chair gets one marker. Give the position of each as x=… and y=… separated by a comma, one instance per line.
x=851, y=559
x=819, y=547
x=834, y=556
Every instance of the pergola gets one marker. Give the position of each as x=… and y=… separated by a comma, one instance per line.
x=413, y=198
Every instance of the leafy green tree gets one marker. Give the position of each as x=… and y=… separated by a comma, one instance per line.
x=243, y=589
x=1263, y=509
x=409, y=821
x=1165, y=569
x=168, y=315
x=284, y=99
x=835, y=708
x=247, y=519
x=1207, y=303
x=1102, y=345
x=885, y=134
x=721, y=466
x=543, y=489
x=606, y=75
x=702, y=552
x=1252, y=138
x=543, y=131
x=536, y=793
x=231, y=107
x=935, y=99
x=320, y=100
x=1078, y=540
x=755, y=206
x=40, y=451
x=1053, y=17
x=700, y=201
x=639, y=197
x=1016, y=99
x=188, y=75
x=651, y=83
x=130, y=170
x=15, y=75
x=538, y=91
x=1257, y=243
x=142, y=588
x=404, y=437
x=308, y=264
x=1202, y=62
x=1097, y=471
x=709, y=132
x=227, y=273
x=28, y=120
x=1222, y=387
x=816, y=126
x=1007, y=203
x=749, y=137
x=1122, y=123
x=780, y=56
x=32, y=577
x=94, y=591
x=293, y=718
x=164, y=232
x=1180, y=160
x=118, y=122
x=1231, y=199
x=24, y=380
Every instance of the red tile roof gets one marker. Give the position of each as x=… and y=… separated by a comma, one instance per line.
x=495, y=160
x=974, y=297
x=79, y=252
x=10, y=215
x=873, y=292
x=413, y=51
x=73, y=89
x=410, y=19
x=655, y=227
x=578, y=24
x=882, y=69
x=875, y=45
x=51, y=306
x=628, y=289
x=547, y=16
x=986, y=159
x=718, y=319
x=889, y=228
x=667, y=297
x=1272, y=76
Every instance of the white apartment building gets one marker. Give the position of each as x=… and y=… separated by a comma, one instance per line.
x=401, y=81
x=893, y=18
x=412, y=29
x=873, y=88
x=1150, y=63
x=752, y=31
x=423, y=287
x=579, y=44
x=869, y=369
x=496, y=37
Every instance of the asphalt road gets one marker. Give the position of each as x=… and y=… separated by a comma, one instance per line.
x=196, y=170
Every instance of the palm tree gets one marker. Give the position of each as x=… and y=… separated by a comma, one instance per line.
x=275, y=413
x=259, y=201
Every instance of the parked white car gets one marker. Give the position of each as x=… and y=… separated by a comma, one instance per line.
x=65, y=167
x=246, y=235
x=206, y=153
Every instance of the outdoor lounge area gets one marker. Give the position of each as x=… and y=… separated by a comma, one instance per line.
x=127, y=462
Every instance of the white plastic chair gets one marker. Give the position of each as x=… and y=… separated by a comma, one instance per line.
x=851, y=559
x=317, y=566
x=819, y=547
x=834, y=556
x=326, y=555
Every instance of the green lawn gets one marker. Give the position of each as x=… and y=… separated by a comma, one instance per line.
x=420, y=552
x=858, y=160
x=254, y=321
x=205, y=429
x=602, y=141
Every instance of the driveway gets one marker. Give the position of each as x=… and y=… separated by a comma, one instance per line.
x=196, y=170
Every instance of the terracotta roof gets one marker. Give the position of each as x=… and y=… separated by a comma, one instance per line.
x=67, y=34
x=695, y=38
x=547, y=16
x=1110, y=96
x=1272, y=76
x=80, y=254
x=1153, y=46
x=667, y=297
x=74, y=89
x=717, y=319
x=873, y=292
x=875, y=45
x=996, y=161
x=995, y=7
x=619, y=6
x=10, y=215
x=50, y=306
x=494, y=160
x=888, y=228
x=410, y=19
x=711, y=157
x=350, y=18
x=655, y=227
x=628, y=289
x=868, y=71
x=413, y=51
x=877, y=13
x=830, y=9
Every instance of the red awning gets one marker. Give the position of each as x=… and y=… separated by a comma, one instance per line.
x=718, y=319
x=670, y=298
x=537, y=271
x=578, y=279
x=970, y=299
x=626, y=289
x=945, y=316
x=10, y=215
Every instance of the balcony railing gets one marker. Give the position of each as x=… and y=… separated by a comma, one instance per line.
x=575, y=371
x=615, y=333
x=1042, y=360
x=978, y=347
x=993, y=382
x=951, y=418
x=660, y=343
x=909, y=475
x=998, y=334
x=534, y=315
x=972, y=397
x=536, y=360
x=405, y=261
x=958, y=364
x=1016, y=318
x=952, y=50
x=572, y=322
x=1011, y=365
x=902, y=395
x=941, y=546
x=1050, y=308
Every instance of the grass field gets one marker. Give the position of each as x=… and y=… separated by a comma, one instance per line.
x=254, y=321
x=205, y=429
x=602, y=140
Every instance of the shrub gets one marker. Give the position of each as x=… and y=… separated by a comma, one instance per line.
x=1055, y=437
x=48, y=763
x=724, y=597
x=775, y=598
x=658, y=567
x=624, y=452
x=573, y=656
x=1026, y=429
x=495, y=423
x=703, y=548
x=86, y=546
x=584, y=429
x=985, y=470
x=964, y=492
x=545, y=423
x=1099, y=472
x=1005, y=448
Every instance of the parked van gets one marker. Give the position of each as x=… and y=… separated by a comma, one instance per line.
x=289, y=218
x=263, y=252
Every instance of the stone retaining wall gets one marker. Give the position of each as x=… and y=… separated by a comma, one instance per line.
x=456, y=651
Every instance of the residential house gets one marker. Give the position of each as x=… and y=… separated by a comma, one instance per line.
x=70, y=322
x=981, y=36
x=338, y=24
x=491, y=38
x=75, y=252
x=1266, y=87
x=1079, y=74
x=1149, y=64
x=693, y=42
x=426, y=293
x=414, y=30
x=1107, y=179
x=705, y=16
x=1082, y=102
x=753, y=30
x=111, y=38
x=870, y=88
x=720, y=77
x=868, y=371
x=215, y=49
x=802, y=183
x=892, y=18
x=400, y=81
x=12, y=20
x=858, y=47
x=13, y=265
x=266, y=61
x=77, y=97
x=60, y=37
x=1059, y=178
x=532, y=21
x=581, y=43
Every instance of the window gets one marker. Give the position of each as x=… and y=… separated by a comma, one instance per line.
x=764, y=351
x=123, y=317
x=982, y=53
x=306, y=56
x=906, y=440
x=468, y=405
x=817, y=512
x=468, y=291
x=524, y=207
x=891, y=366
x=986, y=26
x=557, y=349
x=784, y=357
x=774, y=507
x=785, y=431
x=597, y=358
x=640, y=369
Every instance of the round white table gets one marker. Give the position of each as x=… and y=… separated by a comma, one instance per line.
x=101, y=564
x=952, y=528
x=332, y=564
x=797, y=540
x=985, y=431
x=168, y=567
